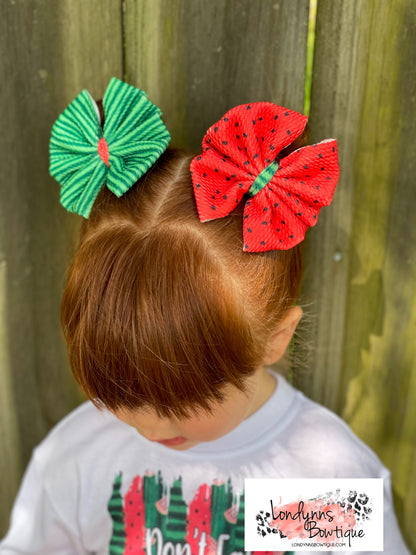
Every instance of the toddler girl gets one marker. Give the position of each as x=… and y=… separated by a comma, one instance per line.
x=180, y=295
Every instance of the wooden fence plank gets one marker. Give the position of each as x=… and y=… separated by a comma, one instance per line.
x=362, y=256
x=49, y=52
x=197, y=59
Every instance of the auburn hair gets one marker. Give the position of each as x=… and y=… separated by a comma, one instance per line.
x=161, y=311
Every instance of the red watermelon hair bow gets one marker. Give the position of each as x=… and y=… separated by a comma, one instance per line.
x=241, y=157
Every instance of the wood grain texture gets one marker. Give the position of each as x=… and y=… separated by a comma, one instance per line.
x=49, y=52
x=362, y=256
x=198, y=59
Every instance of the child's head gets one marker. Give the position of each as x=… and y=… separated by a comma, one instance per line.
x=165, y=316
x=164, y=312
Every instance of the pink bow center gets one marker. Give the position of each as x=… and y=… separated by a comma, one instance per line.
x=103, y=151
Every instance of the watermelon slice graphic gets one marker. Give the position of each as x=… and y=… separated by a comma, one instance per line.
x=212, y=544
x=162, y=505
x=230, y=514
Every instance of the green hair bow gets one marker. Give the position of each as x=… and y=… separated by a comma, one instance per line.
x=83, y=156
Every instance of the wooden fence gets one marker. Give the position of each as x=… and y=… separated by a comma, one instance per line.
x=196, y=59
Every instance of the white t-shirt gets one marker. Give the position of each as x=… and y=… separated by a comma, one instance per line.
x=94, y=485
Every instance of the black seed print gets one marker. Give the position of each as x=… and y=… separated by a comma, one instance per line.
x=233, y=175
x=328, y=177
x=263, y=223
x=322, y=169
x=248, y=107
x=286, y=179
x=254, y=121
x=245, y=135
x=249, y=173
x=215, y=129
x=240, y=185
x=255, y=156
x=236, y=200
x=240, y=150
x=283, y=222
x=225, y=142
x=249, y=229
x=212, y=207
x=262, y=139
x=308, y=176
x=273, y=130
x=248, y=203
x=213, y=197
x=192, y=173
x=236, y=123
x=276, y=204
x=245, y=148
x=320, y=155
x=300, y=214
x=209, y=140
x=316, y=202
x=288, y=131
x=306, y=167
x=317, y=187
x=246, y=216
x=207, y=148
x=286, y=113
x=288, y=194
x=217, y=170
x=276, y=117
x=303, y=183
x=228, y=178
x=257, y=139
x=281, y=240
x=297, y=202
x=290, y=236
x=246, y=162
x=278, y=230
x=260, y=119
x=314, y=216
x=271, y=147
x=225, y=119
x=265, y=209
x=237, y=136
x=262, y=243
x=199, y=158
x=198, y=185
x=223, y=159
x=333, y=149
x=224, y=197
x=246, y=247
x=204, y=175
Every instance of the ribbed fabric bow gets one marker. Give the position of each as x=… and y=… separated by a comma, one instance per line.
x=240, y=156
x=83, y=156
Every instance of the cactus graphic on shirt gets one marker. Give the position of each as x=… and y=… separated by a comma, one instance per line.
x=199, y=519
x=236, y=541
x=174, y=529
x=221, y=500
x=134, y=518
x=115, y=508
x=153, y=491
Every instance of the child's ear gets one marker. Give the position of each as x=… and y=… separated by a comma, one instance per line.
x=280, y=339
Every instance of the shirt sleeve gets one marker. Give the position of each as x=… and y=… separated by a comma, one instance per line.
x=36, y=527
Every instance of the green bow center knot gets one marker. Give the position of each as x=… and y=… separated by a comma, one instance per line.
x=263, y=178
x=84, y=156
